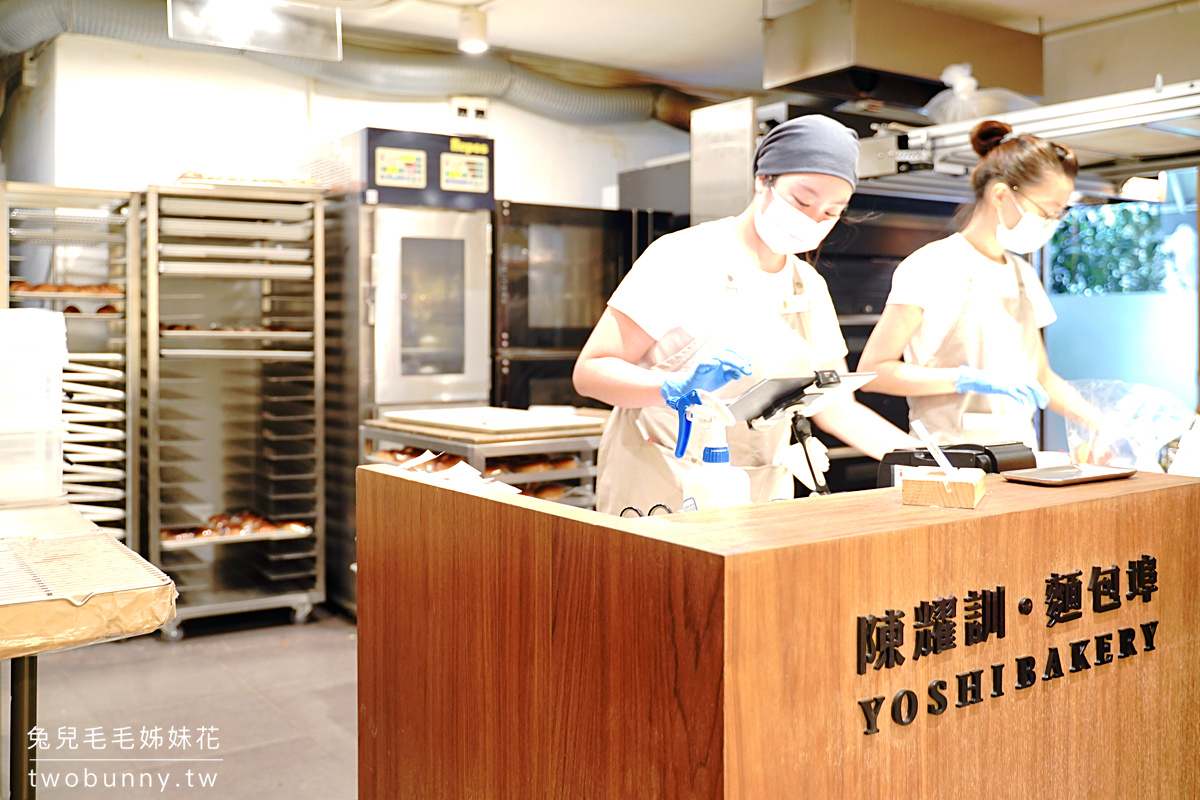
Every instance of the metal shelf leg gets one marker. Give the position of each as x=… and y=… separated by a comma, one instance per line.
x=24, y=716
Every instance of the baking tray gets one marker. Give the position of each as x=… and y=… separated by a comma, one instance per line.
x=219, y=251
x=80, y=412
x=99, y=513
x=83, y=493
x=77, y=236
x=488, y=419
x=89, y=453
x=88, y=473
x=1068, y=474
x=270, y=355
x=236, y=209
x=50, y=215
x=238, y=335
x=21, y=295
x=82, y=393
x=77, y=432
x=68, y=589
x=286, y=232
x=202, y=541
x=213, y=269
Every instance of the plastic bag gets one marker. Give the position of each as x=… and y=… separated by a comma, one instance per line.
x=1140, y=423
x=965, y=100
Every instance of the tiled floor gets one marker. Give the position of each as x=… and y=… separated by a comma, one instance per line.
x=278, y=703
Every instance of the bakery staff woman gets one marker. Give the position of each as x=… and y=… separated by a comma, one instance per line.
x=966, y=313
x=720, y=306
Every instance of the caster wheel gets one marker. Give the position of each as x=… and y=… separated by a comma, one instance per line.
x=300, y=614
x=172, y=634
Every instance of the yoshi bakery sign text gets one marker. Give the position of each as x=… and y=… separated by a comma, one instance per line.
x=892, y=640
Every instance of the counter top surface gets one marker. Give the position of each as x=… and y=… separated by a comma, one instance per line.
x=767, y=526
x=788, y=523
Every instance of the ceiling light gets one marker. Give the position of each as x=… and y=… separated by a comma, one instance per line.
x=472, y=30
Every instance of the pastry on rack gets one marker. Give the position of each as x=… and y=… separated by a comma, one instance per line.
x=539, y=465
x=551, y=491
x=444, y=461
x=168, y=535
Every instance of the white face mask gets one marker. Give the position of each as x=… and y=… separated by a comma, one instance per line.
x=787, y=230
x=1031, y=233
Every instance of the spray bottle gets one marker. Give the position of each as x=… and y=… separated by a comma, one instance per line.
x=713, y=483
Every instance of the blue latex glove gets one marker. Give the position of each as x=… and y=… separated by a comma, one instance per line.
x=708, y=374
x=983, y=381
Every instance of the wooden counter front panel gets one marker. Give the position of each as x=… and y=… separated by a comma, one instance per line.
x=1129, y=728
x=505, y=652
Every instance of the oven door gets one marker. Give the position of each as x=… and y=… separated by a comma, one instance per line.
x=431, y=280
x=524, y=378
x=556, y=267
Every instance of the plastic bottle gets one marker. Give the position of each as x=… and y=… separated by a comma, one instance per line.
x=713, y=483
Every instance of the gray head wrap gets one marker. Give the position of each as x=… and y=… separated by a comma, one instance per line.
x=812, y=143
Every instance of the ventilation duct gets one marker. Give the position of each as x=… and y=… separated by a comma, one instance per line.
x=25, y=24
x=892, y=52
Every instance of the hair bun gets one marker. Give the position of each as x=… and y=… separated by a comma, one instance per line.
x=987, y=134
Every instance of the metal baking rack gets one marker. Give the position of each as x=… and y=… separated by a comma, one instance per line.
x=234, y=395
x=484, y=452
x=70, y=249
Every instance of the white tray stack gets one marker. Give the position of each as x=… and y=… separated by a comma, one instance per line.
x=67, y=250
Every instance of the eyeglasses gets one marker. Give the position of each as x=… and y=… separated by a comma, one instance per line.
x=1044, y=214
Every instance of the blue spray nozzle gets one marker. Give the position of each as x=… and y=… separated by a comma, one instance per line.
x=681, y=404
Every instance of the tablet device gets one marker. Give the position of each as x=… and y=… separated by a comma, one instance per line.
x=755, y=401
x=1068, y=474
x=772, y=395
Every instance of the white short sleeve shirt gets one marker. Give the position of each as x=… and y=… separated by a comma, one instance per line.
x=681, y=281
x=936, y=279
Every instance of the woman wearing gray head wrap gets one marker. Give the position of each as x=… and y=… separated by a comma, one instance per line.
x=718, y=307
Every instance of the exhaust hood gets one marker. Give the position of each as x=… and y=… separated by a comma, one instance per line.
x=1115, y=137
x=891, y=51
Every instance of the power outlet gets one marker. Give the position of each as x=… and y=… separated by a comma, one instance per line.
x=469, y=115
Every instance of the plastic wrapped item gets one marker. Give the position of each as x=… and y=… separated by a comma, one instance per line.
x=964, y=99
x=1140, y=422
x=31, y=407
x=1181, y=456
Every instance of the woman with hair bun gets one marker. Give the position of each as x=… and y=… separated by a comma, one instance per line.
x=960, y=335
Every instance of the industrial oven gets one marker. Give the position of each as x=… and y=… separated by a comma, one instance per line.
x=408, y=275
x=555, y=268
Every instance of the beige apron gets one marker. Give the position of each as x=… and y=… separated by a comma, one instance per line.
x=992, y=333
x=637, y=463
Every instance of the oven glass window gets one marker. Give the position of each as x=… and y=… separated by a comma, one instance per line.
x=566, y=276
x=432, y=306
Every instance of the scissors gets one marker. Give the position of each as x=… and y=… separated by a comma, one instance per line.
x=656, y=510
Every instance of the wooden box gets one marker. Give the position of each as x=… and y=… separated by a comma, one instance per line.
x=930, y=486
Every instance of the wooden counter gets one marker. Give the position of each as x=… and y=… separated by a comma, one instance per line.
x=516, y=648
